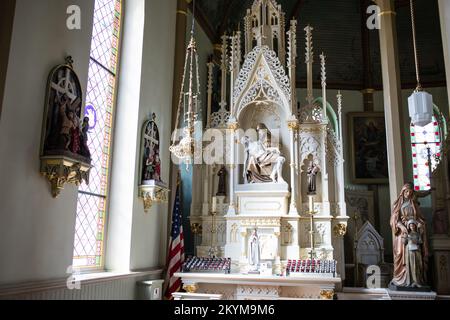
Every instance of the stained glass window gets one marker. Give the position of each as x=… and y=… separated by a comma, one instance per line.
x=93, y=198
x=426, y=145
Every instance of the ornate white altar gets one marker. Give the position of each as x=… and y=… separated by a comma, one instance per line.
x=264, y=93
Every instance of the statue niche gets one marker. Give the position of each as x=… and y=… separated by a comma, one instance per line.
x=262, y=163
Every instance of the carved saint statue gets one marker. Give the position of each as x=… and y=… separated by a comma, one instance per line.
x=313, y=170
x=254, y=253
x=262, y=164
x=410, y=241
x=222, y=188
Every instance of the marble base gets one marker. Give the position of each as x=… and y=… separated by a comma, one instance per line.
x=393, y=287
x=268, y=199
x=260, y=287
x=411, y=295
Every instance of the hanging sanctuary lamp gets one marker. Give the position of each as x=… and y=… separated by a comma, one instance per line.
x=188, y=105
x=420, y=103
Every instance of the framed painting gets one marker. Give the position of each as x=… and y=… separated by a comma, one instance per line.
x=368, y=151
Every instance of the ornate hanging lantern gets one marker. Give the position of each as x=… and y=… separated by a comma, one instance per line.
x=420, y=103
x=189, y=104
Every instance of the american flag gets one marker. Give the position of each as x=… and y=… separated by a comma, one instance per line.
x=176, y=250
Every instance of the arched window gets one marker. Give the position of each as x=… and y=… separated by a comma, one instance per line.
x=93, y=198
x=426, y=140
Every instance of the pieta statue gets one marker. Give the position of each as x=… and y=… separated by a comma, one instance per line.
x=262, y=164
x=410, y=241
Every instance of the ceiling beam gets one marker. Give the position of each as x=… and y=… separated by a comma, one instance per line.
x=203, y=21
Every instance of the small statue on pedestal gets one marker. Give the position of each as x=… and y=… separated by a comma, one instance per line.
x=313, y=170
x=254, y=254
x=221, y=190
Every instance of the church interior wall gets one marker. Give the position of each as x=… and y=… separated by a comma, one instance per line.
x=36, y=230
x=38, y=233
x=149, y=237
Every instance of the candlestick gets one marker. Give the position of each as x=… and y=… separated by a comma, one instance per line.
x=311, y=222
x=214, y=205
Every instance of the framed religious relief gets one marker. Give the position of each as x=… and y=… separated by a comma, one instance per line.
x=368, y=151
x=65, y=156
x=151, y=189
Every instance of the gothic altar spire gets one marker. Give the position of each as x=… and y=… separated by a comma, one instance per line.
x=265, y=26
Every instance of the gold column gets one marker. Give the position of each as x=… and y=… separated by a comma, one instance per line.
x=392, y=96
x=368, y=99
x=180, y=51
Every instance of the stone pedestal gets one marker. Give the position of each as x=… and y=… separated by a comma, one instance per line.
x=268, y=199
x=411, y=295
x=259, y=287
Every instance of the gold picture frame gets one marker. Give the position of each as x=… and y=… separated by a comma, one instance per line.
x=368, y=151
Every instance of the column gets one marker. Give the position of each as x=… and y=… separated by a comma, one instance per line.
x=340, y=176
x=392, y=95
x=7, y=8
x=293, y=126
x=324, y=172
x=232, y=127
x=243, y=244
x=206, y=188
x=180, y=51
x=444, y=13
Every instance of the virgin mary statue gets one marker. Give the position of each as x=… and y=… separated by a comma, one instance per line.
x=408, y=273
x=254, y=250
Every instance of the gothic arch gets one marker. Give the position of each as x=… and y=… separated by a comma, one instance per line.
x=262, y=74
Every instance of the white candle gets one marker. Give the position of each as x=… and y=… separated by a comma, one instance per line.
x=214, y=205
x=311, y=204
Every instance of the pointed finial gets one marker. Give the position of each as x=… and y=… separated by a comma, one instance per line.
x=339, y=101
x=309, y=44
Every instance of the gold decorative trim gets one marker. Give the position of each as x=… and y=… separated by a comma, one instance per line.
x=368, y=90
x=60, y=170
x=327, y=294
x=233, y=126
x=387, y=12
x=196, y=228
x=292, y=125
x=340, y=230
x=153, y=194
x=182, y=12
x=190, y=288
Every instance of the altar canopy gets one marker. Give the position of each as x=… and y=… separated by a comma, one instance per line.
x=272, y=142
